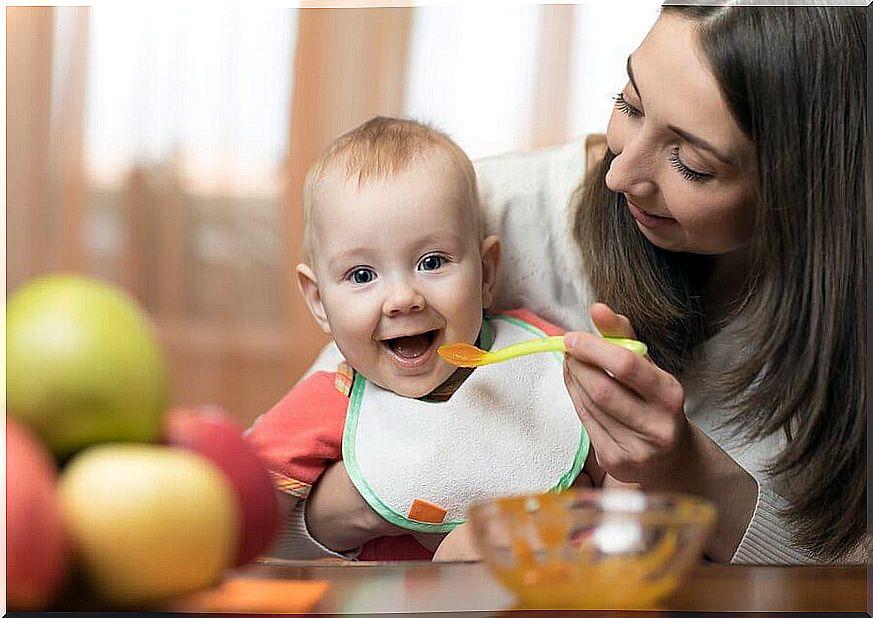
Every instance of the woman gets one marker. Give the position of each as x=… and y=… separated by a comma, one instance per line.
x=744, y=183
x=726, y=228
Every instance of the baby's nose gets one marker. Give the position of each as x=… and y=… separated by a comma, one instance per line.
x=403, y=298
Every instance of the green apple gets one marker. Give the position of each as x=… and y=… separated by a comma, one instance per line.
x=148, y=521
x=83, y=364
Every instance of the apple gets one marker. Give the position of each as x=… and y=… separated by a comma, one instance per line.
x=148, y=521
x=36, y=546
x=212, y=432
x=83, y=364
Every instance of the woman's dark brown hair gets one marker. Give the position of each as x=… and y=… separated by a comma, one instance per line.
x=794, y=78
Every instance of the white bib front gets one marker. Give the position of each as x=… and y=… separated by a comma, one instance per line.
x=510, y=428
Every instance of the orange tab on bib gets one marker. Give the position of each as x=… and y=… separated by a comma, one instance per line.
x=426, y=512
x=345, y=378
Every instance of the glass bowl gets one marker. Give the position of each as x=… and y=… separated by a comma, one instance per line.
x=588, y=549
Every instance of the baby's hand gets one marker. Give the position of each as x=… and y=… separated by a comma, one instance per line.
x=458, y=546
x=429, y=540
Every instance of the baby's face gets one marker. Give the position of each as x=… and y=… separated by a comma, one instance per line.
x=399, y=272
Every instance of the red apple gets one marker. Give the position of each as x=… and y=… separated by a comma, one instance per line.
x=211, y=432
x=36, y=544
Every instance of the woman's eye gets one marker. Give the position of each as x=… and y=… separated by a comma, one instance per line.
x=362, y=275
x=432, y=262
x=686, y=172
x=626, y=108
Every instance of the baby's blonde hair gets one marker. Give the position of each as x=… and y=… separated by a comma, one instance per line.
x=379, y=149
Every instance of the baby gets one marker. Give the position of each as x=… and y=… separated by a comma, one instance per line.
x=397, y=264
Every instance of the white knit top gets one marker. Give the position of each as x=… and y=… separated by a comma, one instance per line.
x=526, y=197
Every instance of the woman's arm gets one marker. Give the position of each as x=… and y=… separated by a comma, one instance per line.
x=703, y=469
x=634, y=414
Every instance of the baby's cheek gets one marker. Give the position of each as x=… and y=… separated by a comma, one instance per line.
x=468, y=314
x=353, y=333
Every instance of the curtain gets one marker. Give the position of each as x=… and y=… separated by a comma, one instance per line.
x=606, y=34
x=164, y=149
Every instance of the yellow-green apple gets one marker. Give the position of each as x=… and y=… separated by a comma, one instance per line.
x=148, y=521
x=213, y=433
x=36, y=546
x=83, y=364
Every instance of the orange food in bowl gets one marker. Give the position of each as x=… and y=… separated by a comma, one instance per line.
x=584, y=549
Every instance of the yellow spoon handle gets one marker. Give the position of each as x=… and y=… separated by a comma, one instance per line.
x=552, y=344
x=546, y=344
x=637, y=347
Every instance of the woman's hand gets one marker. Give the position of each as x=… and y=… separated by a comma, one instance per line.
x=634, y=414
x=338, y=517
x=633, y=411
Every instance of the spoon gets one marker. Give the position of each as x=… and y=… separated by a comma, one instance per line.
x=466, y=355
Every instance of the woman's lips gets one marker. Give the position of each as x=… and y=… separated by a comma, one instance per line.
x=647, y=220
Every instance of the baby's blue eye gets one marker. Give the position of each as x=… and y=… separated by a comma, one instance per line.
x=431, y=262
x=362, y=275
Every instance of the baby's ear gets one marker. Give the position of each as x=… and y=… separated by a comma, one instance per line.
x=308, y=285
x=490, y=262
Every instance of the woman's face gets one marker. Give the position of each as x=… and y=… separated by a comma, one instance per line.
x=686, y=168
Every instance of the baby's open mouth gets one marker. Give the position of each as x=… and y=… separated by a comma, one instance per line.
x=413, y=346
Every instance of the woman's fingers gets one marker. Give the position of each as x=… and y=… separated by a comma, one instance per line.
x=618, y=449
x=636, y=373
x=614, y=442
x=609, y=323
x=645, y=399
x=595, y=402
x=632, y=410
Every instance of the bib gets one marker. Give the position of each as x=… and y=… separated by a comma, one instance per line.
x=510, y=428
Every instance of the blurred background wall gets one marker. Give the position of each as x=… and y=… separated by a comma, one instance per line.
x=164, y=149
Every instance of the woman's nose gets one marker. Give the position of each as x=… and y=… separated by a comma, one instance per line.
x=403, y=298
x=631, y=169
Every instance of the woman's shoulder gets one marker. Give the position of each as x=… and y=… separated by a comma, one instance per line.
x=526, y=201
x=542, y=175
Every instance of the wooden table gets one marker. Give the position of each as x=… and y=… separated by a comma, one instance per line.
x=399, y=588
